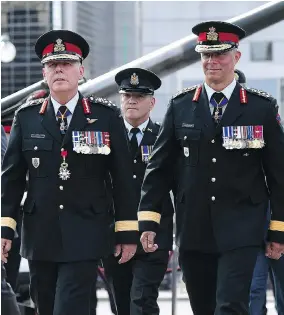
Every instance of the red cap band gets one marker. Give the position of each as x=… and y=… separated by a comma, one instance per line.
x=68, y=46
x=222, y=37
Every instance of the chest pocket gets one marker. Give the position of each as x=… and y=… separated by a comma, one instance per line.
x=38, y=154
x=189, y=140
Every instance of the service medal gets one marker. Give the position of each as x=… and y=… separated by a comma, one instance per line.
x=106, y=150
x=64, y=173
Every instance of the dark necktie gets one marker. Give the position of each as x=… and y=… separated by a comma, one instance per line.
x=133, y=141
x=62, y=114
x=218, y=101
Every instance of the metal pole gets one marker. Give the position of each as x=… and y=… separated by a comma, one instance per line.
x=169, y=58
x=14, y=98
x=181, y=53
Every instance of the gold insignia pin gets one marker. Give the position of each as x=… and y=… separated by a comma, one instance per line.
x=90, y=121
x=151, y=130
x=134, y=80
x=59, y=46
x=212, y=35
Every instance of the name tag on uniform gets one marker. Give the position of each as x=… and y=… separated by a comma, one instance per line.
x=243, y=137
x=187, y=125
x=91, y=142
x=38, y=135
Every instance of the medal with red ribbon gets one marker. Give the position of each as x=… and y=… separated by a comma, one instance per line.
x=64, y=173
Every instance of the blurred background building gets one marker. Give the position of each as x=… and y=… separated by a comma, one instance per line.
x=121, y=31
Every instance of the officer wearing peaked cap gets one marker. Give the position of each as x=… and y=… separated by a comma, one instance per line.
x=232, y=150
x=137, y=80
x=69, y=148
x=137, y=282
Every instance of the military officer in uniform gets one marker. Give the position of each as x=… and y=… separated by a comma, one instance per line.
x=67, y=143
x=232, y=147
x=136, y=282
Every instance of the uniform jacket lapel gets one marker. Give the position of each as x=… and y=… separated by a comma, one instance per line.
x=49, y=122
x=233, y=111
x=202, y=110
x=150, y=134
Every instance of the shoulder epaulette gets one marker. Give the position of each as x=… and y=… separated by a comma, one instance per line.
x=102, y=101
x=184, y=91
x=38, y=101
x=158, y=123
x=260, y=93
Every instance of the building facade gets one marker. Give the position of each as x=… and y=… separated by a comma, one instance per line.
x=111, y=29
x=24, y=22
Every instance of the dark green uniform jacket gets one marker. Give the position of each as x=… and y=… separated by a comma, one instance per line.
x=67, y=220
x=223, y=193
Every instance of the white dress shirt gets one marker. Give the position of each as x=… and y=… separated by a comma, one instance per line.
x=139, y=134
x=228, y=90
x=70, y=105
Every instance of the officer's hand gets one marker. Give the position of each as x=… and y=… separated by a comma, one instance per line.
x=127, y=252
x=5, y=247
x=274, y=250
x=147, y=240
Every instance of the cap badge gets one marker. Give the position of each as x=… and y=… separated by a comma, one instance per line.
x=212, y=35
x=134, y=80
x=59, y=46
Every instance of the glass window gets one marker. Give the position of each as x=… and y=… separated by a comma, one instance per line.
x=261, y=51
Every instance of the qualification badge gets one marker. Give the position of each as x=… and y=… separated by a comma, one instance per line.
x=35, y=162
x=186, y=151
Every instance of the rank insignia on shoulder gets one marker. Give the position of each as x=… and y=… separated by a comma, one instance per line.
x=103, y=101
x=32, y=103
x=184, y=91
x=259, y=92
x=36, y=101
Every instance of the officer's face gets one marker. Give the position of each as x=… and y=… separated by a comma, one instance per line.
x=63, y=76
x=136, y=106
x=219, y=67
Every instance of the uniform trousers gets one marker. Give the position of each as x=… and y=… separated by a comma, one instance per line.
x=63, y=288
x=219, y=284
x=259, y=284
x=136, y=283
x=9, y=304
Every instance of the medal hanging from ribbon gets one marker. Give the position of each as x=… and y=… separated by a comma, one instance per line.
x=218, y=101
x=64, y=173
